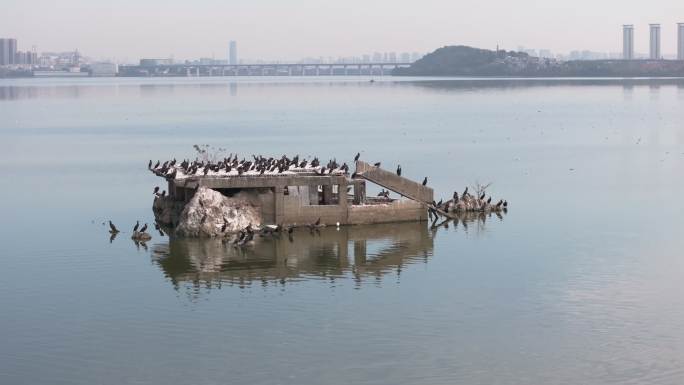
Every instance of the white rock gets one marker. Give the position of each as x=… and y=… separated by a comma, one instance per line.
x=204, y=215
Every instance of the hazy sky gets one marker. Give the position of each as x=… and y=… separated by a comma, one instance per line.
x=291, y=29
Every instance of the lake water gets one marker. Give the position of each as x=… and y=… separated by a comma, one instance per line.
x=580, y=282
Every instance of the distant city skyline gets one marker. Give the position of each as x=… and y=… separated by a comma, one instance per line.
x=271, y=30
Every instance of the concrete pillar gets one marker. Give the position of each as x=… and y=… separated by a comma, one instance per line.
x=279, y=204
x=342, y=201
x=313, y=195
x=359, y=192
x=327, y=194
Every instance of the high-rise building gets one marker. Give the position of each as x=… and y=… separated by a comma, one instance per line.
x=8, y=51
x=4, y=52
x=232, y=53
x=655, y=42
x=628, y=42
x=680, y=41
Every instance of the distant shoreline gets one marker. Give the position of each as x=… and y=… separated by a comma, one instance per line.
x=469, y=61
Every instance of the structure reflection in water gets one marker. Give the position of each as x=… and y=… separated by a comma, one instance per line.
x=359, y=253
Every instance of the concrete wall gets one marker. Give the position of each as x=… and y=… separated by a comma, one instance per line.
x=397, y=211
x=295, y=213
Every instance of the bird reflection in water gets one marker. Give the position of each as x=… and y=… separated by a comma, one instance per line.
x=364, y=253
x=140, y=244
x=478, y=218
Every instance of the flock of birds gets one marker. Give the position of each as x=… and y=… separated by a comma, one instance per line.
x=466, y=202
x=139, y=233
x=242, y=238
x=256, y=165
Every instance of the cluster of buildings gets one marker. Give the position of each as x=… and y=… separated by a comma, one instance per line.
x=572, y=55
x=627, y=53
x=232, y=59
x=376, y=57
x=11, y=56
x=14, y=62
x=654, y=42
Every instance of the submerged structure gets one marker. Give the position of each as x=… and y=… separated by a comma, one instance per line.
x=212, y=198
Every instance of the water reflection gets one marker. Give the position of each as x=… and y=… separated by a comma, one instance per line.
x=164, y=87
x=348, y=252
x=359, y=253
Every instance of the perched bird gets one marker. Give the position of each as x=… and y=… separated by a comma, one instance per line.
x=399, y=170
x=377, y=164
x=505, y=204
x=112, y=228
x=489, y=200
x=149, y=165
x=455, y=196
x=142, y=230
x=137, y=224
x=465, y=192
x=156, y=190
x=425, y=181
x=354, y=175
x=482, y=196
x=312, y=226
x=356, y=158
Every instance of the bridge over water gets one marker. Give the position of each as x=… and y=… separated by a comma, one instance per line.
x=280, y=69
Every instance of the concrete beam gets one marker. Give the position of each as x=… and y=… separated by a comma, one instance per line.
x=393, y=182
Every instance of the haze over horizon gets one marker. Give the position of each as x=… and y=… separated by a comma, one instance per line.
x=127, y=30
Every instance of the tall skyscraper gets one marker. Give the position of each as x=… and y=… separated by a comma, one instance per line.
x=655, y=42
x=680, y=41
x=232, y=53
x=8, y=51
x=628, y=42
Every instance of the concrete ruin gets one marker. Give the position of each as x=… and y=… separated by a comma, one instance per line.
x=289, y=199
x=226, y=200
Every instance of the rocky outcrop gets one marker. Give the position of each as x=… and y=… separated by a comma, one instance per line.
x=141, y=236
x=209, y=214
x=167, y=211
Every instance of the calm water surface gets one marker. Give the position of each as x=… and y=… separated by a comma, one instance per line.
x=580, y=283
